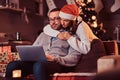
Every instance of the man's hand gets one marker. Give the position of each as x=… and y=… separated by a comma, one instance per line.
x=60, y=35
x=49, y=57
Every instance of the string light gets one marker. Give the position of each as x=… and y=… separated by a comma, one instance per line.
x=93, y=17
x=94, y=24
x=89, y=16
x=89, y=1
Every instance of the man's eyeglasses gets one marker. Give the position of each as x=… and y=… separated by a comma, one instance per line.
x=55, y=19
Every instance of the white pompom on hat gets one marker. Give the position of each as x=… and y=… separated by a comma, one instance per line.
x=69, y=11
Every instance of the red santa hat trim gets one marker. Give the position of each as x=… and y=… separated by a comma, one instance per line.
x=69, y=11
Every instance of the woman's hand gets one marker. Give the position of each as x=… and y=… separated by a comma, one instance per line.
x=64, y=35
x=49, y=57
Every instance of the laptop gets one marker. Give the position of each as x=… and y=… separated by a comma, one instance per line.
x=30, y=53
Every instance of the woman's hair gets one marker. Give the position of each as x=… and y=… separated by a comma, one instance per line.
x=73, y=26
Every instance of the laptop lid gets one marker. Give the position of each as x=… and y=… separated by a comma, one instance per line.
x=31, y=53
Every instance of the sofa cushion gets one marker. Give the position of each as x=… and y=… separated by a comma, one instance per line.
x=112, y=60
x=111, y=47
x=88, y=62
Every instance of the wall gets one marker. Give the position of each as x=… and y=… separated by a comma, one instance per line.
x=109, y=18
x=13, y=21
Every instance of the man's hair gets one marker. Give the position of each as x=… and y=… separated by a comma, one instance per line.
x=52, y=10
x=55, y=9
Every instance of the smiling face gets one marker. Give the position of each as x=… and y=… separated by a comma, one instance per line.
x=54, y=20
x=65, y=23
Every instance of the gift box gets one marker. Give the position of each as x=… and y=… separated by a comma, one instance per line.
x=5, y=49
x=5, y=58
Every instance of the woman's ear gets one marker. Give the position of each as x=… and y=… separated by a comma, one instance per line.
x=79, y=19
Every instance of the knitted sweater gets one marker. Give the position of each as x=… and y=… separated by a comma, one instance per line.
x=60, y=49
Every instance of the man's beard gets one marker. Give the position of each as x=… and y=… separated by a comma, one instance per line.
x=55, y=27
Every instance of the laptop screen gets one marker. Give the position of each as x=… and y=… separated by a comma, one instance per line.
x=31, y=53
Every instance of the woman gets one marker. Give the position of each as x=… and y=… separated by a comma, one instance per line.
x=73, y=24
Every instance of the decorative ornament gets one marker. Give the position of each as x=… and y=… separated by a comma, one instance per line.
x=51, y=4
x=98, y=5
x=70, y=1
x=115, y=6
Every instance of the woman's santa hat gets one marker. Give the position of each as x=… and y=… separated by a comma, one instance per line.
x=69, y=11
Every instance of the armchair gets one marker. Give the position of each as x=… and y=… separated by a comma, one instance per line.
x=89, y=65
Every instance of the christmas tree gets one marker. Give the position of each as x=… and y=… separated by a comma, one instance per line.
x=90, y=17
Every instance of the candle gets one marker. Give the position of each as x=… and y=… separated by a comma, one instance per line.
x=7, y=3
x=16, y=73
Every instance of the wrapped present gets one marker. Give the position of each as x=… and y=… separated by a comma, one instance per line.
x=5, y=48
x=13, y=56
x=6, y=57
x=3, y=67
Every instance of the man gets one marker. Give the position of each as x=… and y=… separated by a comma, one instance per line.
x=60, y=56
